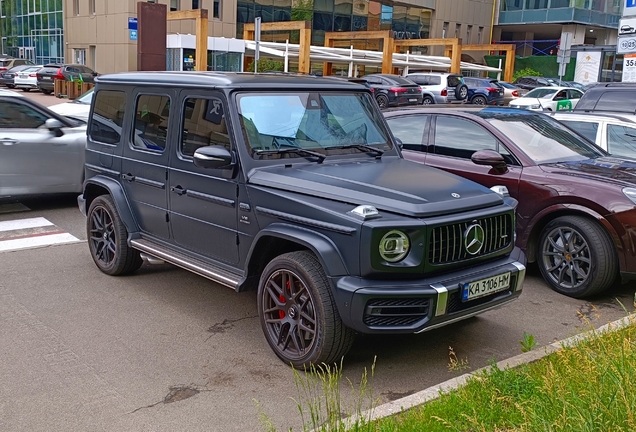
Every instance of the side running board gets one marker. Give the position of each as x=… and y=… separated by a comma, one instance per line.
x=216, y=274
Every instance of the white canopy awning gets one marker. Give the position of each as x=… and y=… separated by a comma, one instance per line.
x=352, y=57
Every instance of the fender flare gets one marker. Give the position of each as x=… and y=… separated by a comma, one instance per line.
x=322, y=246
x=114, y=188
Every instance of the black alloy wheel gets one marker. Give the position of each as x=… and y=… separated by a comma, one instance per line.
x=383, y=101
x=576, y=256
x=297, y=311
x=427, y=100
x=107, y=239
x=479, y=100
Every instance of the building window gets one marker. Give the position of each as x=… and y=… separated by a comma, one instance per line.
x=444, y=30
x=91, y=6
x=76, y=7
x=216, y=9
x=79, y=56
x=3, y=5
x=195, y=4
x=480, y=32
x=469, y=30
x=174, y=5
x=458, y=30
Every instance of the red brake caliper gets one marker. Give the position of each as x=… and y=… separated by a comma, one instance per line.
x=281, y=313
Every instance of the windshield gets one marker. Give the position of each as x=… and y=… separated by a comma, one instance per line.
x=86, y=98
x=540, y=93
x=542, y=138
x=322, y=122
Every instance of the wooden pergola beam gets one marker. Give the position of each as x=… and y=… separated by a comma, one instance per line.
x=510, y=49
x=304, y=63
x=201, y=18
x=454, y=48
x=385, y=35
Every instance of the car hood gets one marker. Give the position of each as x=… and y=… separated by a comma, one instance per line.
x=394, y=185
x=621, y=172
x=71, y=109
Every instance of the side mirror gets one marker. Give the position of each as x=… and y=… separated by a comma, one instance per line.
x=491, y=158
x=214, y=156
x=399, y=143
x=55, y=126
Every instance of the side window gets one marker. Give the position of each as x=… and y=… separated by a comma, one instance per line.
x=108, y=114
x=621, y=140
x=562, y=95
x=461, y=138
x=435, y=80
x=610, y=100
x=587, y=129
x=151, y=122
x=203, y=125
x=373, y=80
x=575, y=94
x=18, y=116
x=409, y=130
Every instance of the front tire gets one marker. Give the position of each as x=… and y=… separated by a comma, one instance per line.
x=298, y=313
x=427, y=100
x=576, y=256
x=107, y=239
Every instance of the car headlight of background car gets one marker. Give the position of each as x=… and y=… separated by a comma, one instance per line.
x=394, y=246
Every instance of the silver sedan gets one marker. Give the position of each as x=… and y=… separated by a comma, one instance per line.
x=40, y=152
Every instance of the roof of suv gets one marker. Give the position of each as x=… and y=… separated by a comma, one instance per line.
x=609, y=97
x=225, y=79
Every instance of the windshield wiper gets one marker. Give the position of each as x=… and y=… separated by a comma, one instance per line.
x=321, y=157
x=363, y=147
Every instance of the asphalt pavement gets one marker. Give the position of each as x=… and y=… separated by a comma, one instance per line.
x=166, y=350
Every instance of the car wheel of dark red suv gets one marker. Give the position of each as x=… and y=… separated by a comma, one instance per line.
x=576, y=256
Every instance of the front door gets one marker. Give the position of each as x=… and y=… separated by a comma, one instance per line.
x=144, y=169
x=203, y=202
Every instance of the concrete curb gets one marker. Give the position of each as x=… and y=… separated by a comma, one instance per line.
x=431, y=393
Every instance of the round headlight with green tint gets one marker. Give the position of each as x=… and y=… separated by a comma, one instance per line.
x=394, y=246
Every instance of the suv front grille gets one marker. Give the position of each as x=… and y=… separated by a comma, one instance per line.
x=447, y=243
x=395, y=312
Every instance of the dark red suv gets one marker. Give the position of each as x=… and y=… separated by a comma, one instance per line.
x=577, y=205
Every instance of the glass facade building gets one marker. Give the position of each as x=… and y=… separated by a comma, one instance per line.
x=336, y=15
x=33, y=29
x=602, y=13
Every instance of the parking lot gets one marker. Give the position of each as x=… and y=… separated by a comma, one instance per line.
x=167, y=350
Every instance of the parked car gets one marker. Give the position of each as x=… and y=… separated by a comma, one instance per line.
x=484, y=91
x=7, y=77
x=577, y=204
x=50, y=72
x=77, y=109
x=440, y=88
x=511, y=91
x=549, y=99
x=291, y=186
x=26, y=80
x=394, y=90
x=576, y=85
x=7, y=63
x=614, y=132
x=533, y=82
x=612, y=97
x=40, y=151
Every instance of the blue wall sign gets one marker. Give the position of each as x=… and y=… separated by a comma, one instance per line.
x=133, y=35
x=630, y=3
x=132, y=23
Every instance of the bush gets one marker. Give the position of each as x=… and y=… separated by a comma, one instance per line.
x=267, y=65
x=526, y=72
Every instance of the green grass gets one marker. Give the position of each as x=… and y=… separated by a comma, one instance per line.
x=587, y=387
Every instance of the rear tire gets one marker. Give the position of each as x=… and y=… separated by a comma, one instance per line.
x=107, y=239
x=298, y=313
x=478, y=100
x=383, y=101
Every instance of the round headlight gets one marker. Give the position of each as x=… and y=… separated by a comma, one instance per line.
x=394, y=246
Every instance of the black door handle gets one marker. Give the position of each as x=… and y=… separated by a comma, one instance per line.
x=178, y=189
x=128, y=177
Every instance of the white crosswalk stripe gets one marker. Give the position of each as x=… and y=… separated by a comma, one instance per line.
x=31, y=232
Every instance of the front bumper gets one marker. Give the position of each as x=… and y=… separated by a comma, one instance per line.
x=414, y=306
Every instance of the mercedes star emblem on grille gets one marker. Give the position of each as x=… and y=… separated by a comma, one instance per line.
x=474, y=239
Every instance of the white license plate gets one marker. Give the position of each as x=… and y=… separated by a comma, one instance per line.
x=48, y=78
x=23, y=76
x=484, y=287
x=413, y=100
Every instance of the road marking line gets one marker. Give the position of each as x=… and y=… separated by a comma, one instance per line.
x=45, y=240
x=24, y=223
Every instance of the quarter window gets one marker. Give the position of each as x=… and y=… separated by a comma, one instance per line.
x=18, y=116
x=587, y=129
x=203, y=125
x=108, y=113
x=621, y=140
x=409, y=130
x=151, y=122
